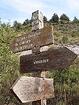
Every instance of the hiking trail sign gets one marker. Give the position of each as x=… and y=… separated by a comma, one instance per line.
x=54, y=58
x=33, y=39
x=29, y=89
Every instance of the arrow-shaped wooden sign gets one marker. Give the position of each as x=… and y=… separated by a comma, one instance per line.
x=33, y=39
x=54, y=58
x=29, y=89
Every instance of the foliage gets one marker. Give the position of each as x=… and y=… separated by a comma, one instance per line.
x=26, y=22
x=55, y=18
x=75, y=20
x=8, y=64
x=17, y=26
x=64, y=39
x=66, y=82
x=64, y=18
x=45, y=19
x=75, y=34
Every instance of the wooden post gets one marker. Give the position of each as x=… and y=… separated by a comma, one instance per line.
x=43, y=75
x=52, y=34
x=36, y=50
x=36, y=74
x=43, y=102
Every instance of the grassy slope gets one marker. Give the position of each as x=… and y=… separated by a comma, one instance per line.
x=69, y=31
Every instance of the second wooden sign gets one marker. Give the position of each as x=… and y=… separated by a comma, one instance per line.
x=54, y=58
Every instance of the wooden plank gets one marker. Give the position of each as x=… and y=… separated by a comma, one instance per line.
x=33, y=39
x=43, y=74
x=54, y=58
x=39, y=74
x=29, y=89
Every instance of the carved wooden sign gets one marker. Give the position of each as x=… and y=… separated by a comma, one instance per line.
x=29, y=89
x=33, y=39
x=54, y=58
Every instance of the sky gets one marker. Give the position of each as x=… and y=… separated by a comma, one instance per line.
x=11, y=10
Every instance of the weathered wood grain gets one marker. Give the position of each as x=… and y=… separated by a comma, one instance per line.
x=33, y=39
x=29, y=89
x=54, y=58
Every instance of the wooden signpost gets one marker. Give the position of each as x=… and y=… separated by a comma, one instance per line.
x=55, y=58
x=29, y=89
